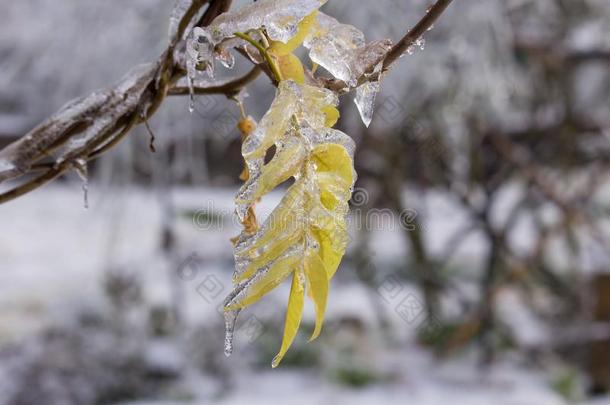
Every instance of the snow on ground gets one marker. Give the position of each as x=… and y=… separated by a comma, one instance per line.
x=54, y=254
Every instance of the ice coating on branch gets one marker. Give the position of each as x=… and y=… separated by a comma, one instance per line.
x=178, y=12
x=6, y=168
x=122, y=99
x=332, y=45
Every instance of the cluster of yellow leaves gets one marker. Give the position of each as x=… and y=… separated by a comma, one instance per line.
x=306, y=236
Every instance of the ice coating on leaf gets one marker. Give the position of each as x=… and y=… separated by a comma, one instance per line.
x=341, y=50
x=365, y=101
x=332, y=46
x=306, y=235
x=293, y=102
x=279, y=17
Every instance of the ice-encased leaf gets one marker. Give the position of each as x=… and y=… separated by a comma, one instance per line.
x=306, y=235
x=302, y=103
x=123, y=98
x=6, y=169
x=332, y=46
x=341, y=49
x=280, y=18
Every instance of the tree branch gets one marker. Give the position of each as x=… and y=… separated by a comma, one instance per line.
x=102, y=119
x=416, y=32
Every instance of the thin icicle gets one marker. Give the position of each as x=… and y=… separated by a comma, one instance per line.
x=419, y=43
x=191, y=87
x=80, y=166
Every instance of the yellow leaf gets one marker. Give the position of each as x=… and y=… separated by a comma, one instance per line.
x=294, y=313
x=291, y=68
x=279, y=48
x=306, y=234
x=317, y=287
x=332, y=115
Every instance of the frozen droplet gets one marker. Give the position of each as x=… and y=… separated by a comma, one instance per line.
x=419, y=43
x=365, y=100
x=225, y=57
x=80, y=166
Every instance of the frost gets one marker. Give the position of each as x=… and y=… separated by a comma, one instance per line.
x=333, y=47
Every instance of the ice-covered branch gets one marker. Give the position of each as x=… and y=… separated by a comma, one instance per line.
x=87, y=127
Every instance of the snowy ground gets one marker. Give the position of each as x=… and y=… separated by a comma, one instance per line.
x=54, y=255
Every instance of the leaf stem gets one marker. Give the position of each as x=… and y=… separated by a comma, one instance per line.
x=264, y=53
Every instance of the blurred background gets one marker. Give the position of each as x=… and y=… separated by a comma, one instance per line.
x=479, y=265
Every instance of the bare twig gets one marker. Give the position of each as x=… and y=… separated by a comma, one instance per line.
x=416, y=32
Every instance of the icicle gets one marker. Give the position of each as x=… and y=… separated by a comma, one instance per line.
x=80, y=165
x=366, y=95
x=191, y=87
x=365, y=101
x=230, y=320
x=421, y=43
